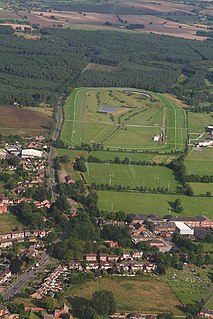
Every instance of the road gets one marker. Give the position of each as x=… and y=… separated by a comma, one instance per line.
x=23, y=280
x=59, y=122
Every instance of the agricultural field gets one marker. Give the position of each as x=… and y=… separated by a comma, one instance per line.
x=131, y=175
x=15, y=120
x=119, y=119
x=190, y=283
x=159, y=204
x=200, y=163
x=147, y=294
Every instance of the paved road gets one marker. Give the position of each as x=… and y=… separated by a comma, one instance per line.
x=23, y=280
x=59, y=122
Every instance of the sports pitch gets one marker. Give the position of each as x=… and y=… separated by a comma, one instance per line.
x=131, y=127
x=159, y=204
x=131, y=175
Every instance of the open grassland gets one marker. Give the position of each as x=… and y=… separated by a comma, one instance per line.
x=9, y=222
x=189, y=284
x=200, y=163
x=15, y=120
x=147, y=294
x=131, y=175
x=198, y=121
x=159, y=204
x=202, y=188
x=131, y=126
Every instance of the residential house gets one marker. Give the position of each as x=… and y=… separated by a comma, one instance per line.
x=102, y=257
x=90, y=257
x=3, y=208
x=206, y=313
x=69, y=179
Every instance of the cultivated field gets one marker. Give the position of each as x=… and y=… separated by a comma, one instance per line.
x=200, y=163
x=131, y=126
x=131, y=175
x=15, y=120
x=147, y=294
x=154, y=203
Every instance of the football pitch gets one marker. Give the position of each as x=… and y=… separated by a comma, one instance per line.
x=131, y=175
x=118, y=119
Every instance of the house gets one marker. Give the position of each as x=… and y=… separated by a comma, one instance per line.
x=206, y=313
x=3, y=208
x=5, y=236
x=156, y=138
x=113, y=258
x=102, y=257
x=90, y=257
x=105, y=265
x=112, y=243
x=92, y=265
x=18, y=234
x=7, y=242
x=127, y=255
x=69, y=179
x=3, y=311
x=204, y=221
x=137, y=254
x=202, y=233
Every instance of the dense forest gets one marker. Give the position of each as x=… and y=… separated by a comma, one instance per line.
x=32, y=71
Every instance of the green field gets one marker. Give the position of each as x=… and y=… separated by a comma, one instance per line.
x=139, y=294
x=153, y=203
x=131, y=175
x=200, y=163
x=202, y=188
x=9, y=222
x=130, y=127
x=158, y=158
x=188, y=285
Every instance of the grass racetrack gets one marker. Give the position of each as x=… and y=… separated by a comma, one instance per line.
x=131, y=126
x=159, y=204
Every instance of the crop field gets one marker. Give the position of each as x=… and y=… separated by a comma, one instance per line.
x=200, y=163
x=130, y=125
x=15, y=120
x=131, y=175
x=159, y=204
x=147, y=294
x=190, y=283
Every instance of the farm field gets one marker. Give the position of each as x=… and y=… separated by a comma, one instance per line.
x=130, y=124
x=131, y=175
x=202, y=188
x=15, y=120
x=9, y=222
x=189, y=285
x=159, y=204
x=147, y=294
x=200, y=163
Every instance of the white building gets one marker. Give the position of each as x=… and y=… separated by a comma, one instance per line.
x=184, y=229
x=31, y=153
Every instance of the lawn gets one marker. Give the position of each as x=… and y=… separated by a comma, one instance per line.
x=189, y=284
x=9, y=222
x=131, y=175
x=131, y=126
x=198, y=122
x=200, y=163
x=136, y=294
x=141, y=203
